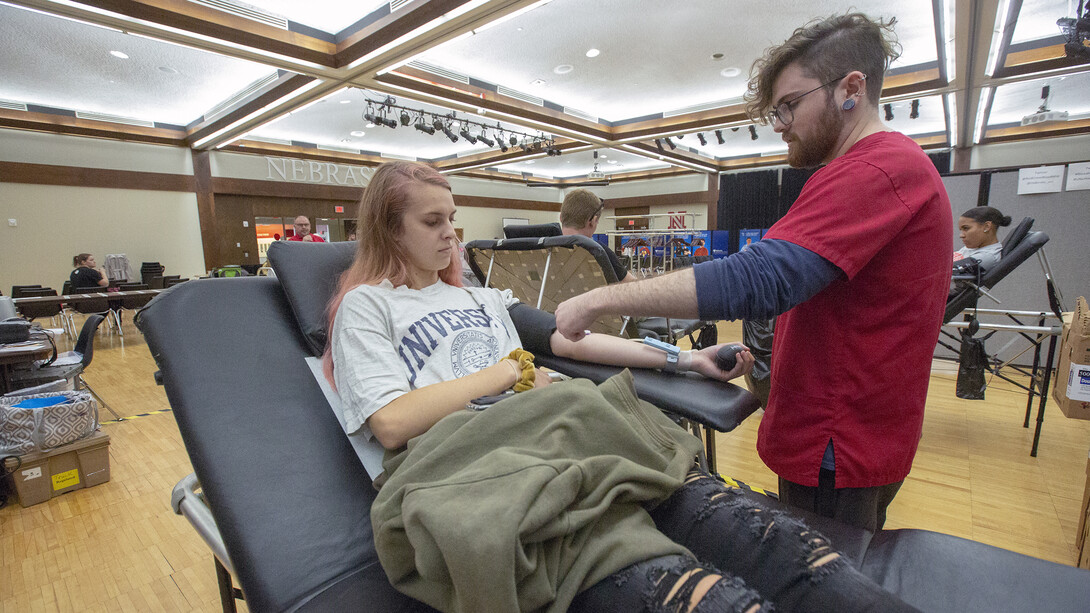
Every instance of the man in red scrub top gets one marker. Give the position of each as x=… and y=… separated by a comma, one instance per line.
x=859, y=268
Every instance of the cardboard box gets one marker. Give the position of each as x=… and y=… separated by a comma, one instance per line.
x=1071, y=389
x=79, y=464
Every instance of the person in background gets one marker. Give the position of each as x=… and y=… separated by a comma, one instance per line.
x=857, y=268
x=302, y=231
x=87, y=273
x=579, y=214
x=979, y=227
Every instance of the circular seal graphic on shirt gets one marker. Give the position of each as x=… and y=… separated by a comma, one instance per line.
x=471, y=351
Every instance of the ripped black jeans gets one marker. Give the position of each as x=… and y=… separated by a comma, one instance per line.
x=748, y=558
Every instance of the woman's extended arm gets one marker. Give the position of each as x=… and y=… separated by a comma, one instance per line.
x=413, y=413
x=614, y=351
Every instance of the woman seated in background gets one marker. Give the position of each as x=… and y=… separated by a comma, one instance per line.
x=86, y=274
x=979, y=227
x=566, y=495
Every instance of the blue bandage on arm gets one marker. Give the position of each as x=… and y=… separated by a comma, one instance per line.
x=769, y=278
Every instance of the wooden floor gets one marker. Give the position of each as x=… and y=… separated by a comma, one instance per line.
x=119, y=547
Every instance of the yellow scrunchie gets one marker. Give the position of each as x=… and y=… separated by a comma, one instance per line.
x=526, y=369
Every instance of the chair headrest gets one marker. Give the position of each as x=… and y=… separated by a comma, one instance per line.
x=309, y=273
x=1015, y=236
x=535, y=230
x=1021, y=252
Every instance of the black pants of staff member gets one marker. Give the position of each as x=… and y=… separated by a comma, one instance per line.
x=864, y=507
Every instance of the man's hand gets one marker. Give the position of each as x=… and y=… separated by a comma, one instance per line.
x=309, y=238
x=575, y=315
x=704, y=363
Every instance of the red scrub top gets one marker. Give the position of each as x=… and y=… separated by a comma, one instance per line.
x=852, y=364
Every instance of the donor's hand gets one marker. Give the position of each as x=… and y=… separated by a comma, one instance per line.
x=705, y=364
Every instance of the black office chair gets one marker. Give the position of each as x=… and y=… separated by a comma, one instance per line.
x=149, y=270
x=130, y=303
x=69, y=365
x=17, y=290
x=32, y=311
x=97, y=306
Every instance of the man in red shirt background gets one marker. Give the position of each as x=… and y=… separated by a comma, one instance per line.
x=859, y=268
x=302, y=231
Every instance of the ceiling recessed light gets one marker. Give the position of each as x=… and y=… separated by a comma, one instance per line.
x=612, y=161
x=168, y=70
x=369, y=125
x=346, y=102
x=357, y=133
x=563, y=69
x=119, y=55
x=717, y=56
x=731, y=72
x=529, y=161
x=593, y=52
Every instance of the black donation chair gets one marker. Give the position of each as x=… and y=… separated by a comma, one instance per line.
x=284, y=500
x=532, y=230
x=543, y=272
x=1019, y=245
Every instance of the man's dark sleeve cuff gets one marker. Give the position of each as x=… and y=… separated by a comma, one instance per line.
x=710, y=289
x=535, y=328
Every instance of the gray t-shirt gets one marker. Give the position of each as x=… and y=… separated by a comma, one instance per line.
x=988, y=256
x=389, y=341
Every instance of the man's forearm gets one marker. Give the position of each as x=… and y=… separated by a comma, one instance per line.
x=672, y=295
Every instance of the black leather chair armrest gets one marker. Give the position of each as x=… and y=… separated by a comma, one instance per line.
x=721, y=406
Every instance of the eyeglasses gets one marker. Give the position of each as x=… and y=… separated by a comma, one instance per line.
x=784, y=111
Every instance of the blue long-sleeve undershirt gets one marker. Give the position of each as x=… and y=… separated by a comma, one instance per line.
x=768, y=278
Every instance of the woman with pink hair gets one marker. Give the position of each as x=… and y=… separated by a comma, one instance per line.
x=410, y=350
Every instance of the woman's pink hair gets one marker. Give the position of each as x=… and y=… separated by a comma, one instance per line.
x=379, y=256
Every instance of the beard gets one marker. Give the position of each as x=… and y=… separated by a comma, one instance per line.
x=817, y=147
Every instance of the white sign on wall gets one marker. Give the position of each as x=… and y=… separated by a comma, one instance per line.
x=1040, y=180
x=1078, y=176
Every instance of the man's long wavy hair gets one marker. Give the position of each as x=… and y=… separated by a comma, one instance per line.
x=379, y=255
x=826, y=49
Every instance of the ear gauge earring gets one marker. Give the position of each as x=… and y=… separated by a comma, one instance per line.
x=849, y=104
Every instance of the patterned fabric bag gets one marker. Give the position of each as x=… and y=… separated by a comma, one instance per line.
x=37, y=422
x=16, y=430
